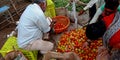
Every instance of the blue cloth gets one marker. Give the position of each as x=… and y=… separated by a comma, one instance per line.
x=4, y=8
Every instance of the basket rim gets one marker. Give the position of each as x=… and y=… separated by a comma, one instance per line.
x=65, y=25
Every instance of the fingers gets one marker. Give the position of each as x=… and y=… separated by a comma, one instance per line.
x=85, y=45
x=103, y=53
x=100, y=49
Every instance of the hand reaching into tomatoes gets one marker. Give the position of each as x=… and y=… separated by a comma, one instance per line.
x=85, y=45
x=102, y=54
x=102, y=51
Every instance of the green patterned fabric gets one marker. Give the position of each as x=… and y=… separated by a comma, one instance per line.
x=103, y=6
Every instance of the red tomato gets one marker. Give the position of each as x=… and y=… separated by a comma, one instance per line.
x=73, y=41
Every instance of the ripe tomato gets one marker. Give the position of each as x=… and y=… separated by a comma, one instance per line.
x=73, y=41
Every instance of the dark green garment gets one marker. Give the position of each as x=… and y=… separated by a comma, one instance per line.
x=103, y=6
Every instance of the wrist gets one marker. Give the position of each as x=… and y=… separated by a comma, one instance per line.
x=89, y=42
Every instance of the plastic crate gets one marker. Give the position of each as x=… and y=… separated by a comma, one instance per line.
x=12, y=41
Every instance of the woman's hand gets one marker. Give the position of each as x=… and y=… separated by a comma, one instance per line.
x=85, y=45
x=102, y=54
x=101, y=49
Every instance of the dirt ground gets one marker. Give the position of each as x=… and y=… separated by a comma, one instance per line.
x=20, y=6
x=7, y=29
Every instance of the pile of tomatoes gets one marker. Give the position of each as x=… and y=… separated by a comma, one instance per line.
x=59, y=27
x=73, y=41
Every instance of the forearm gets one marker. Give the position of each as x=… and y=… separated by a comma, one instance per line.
x=90, y=4
x=97, y=14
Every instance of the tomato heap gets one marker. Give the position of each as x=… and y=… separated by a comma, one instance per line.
x=73, y=41
x=58, y=27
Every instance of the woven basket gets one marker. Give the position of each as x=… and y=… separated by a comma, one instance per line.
x=63, y=20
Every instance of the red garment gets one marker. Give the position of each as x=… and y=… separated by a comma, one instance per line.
x=108, y=19
x=115, y=39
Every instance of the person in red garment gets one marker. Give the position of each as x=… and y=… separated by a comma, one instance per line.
x=108, y=17
x=108, y=27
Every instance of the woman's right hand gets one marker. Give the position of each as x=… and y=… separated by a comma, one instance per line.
x=85, y=45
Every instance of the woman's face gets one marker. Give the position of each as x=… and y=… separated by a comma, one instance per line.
x=108, y=11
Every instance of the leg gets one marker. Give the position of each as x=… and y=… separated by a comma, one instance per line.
x=41, y=45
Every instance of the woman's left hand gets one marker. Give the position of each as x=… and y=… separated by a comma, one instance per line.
x=102, y=54
x=101, y=49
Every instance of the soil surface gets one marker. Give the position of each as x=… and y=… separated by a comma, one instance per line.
x=4, y=31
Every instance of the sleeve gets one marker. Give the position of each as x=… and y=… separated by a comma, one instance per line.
x=90, y=4
x=97, y=14
x=42, y=23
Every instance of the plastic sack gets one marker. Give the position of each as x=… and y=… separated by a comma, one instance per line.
x=61, y=11
x=82, y=19
x=50, y=9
